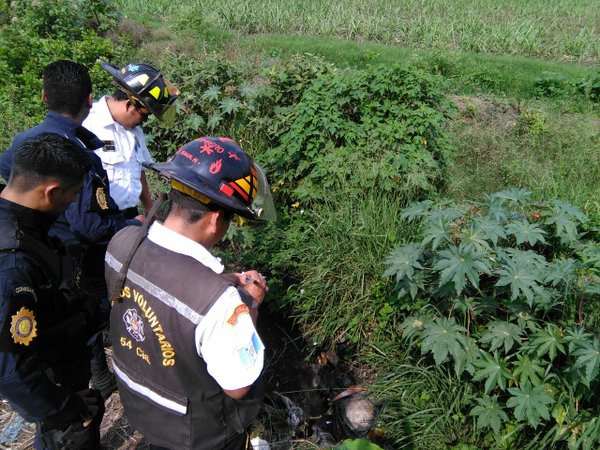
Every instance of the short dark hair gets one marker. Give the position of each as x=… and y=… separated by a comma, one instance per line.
x=67, y=85
x=186, y=207
x=119, y=95
x=48, y=156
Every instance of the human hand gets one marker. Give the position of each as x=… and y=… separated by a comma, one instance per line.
x=255, y=284
x=88, y=405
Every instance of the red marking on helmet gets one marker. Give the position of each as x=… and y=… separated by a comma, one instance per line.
x=209, y=146
x=215, y=167
x=226, y=139
x=234, y=156
x=227, y=190
x=239, y=190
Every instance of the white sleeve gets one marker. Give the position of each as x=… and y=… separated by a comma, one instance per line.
x=228, y=342
x=145, y=153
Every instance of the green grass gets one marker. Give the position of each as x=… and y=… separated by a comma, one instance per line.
x=550, y=29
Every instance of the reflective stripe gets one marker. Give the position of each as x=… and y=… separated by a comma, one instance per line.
x=156, y=292
x=149, y=393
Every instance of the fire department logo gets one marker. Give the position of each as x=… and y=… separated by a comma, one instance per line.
x=23, y=327
x=101, y=198
x=134, y=324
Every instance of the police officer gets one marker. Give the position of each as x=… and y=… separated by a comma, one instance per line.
x=44, y=360
x=88, y=223
x=141, y=90
x=186, y=352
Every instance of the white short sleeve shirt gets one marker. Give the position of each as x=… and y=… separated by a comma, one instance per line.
x=225, y=337
x=122, y=155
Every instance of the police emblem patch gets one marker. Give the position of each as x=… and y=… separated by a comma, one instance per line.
x=23, y=327
x=101, y=198
x=134, y=324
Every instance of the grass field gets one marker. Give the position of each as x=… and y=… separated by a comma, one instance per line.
x=563, y=30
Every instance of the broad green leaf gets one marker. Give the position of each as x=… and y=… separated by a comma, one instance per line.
x=416, y=210
x=576, y=338
x=357, y=444
x=520, y=271
x=530, y=403
x=548, y=341
x=442, y=337
x=526, y=232
x=467, y=356
x=213, y=120
x=489, y=413
x=459, y=265
x=501, y=333
x=561, y=271
x=212, y=93
x=439, y=227
x=229, y=105
x=247, y=90
x=403, y=261
x=527, y=371
x=492, y=369
x=490, y=229
x=588, y=356
x=412, y=325
x=512, y=195
x=412, y=287
x=474, y=239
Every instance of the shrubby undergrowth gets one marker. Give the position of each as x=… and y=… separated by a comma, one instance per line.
x=503, y=294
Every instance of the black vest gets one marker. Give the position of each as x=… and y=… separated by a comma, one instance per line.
x=164, y=385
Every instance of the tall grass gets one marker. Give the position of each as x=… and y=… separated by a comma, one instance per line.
x=550, y=29
x=549, y=150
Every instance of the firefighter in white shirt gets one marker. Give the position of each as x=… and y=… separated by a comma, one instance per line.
x=186, y=353
x=141, y=90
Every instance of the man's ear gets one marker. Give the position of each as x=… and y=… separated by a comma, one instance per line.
x=90, y=99
x=44, y=98
x=49, y=193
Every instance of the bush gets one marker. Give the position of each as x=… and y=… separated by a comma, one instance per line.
x=510, y=286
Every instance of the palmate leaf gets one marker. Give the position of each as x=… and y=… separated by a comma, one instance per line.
x=526, y=232
x=229, y=105
x=474, y=239
x=512, y=195
x=466, y=358
x=489, y=229
x=561, y=271
x=565, y=218
x=489, y=413
x=576, y=338
x=492, y=369
x=588, y=357
x=412, y=286
x=527, y=371
x=501, y=333
x=416, y=210
x=412, y=326
x=459, y=265
x=443, y=337
x=522, y=273
x=213, y=120
x=403, y=261
x=530, y=403
x=212, y=93
x=548, y=341
x=438, y=228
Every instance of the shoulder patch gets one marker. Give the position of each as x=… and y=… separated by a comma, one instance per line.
x=101, y=198
x=23, y=327
x=239, y=310
x=20, y=290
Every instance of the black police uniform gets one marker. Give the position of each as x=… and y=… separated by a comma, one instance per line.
x=43, y=331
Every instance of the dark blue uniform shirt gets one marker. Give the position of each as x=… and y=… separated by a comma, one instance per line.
x=39, y=328
x=94, y=218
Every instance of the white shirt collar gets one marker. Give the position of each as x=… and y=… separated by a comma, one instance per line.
x=171, y=240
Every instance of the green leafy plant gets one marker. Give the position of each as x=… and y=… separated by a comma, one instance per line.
x=511, y=285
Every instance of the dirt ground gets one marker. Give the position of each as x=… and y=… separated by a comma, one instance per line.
x=300, y=383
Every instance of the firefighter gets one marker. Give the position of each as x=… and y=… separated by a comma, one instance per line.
x=140, y=90
x=186, y=353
